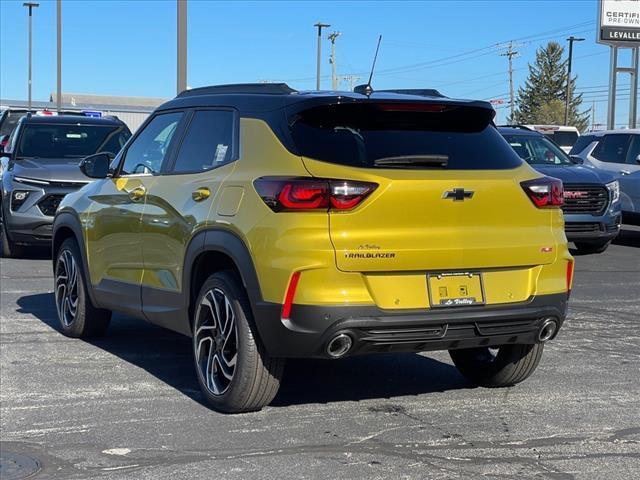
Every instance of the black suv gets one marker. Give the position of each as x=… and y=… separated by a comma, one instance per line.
x=39, y=166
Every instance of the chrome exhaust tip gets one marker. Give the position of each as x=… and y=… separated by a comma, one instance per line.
x=548, y=330
x=339, y=345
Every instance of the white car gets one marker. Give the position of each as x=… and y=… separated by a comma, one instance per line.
x=617, y=151
x=565, y=137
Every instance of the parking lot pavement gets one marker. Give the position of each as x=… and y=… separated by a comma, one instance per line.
x=128, y=405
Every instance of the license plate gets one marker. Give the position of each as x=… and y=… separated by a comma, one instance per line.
x=457, y=289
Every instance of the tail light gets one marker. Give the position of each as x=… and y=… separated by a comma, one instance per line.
x=569, y=275
x=291, y=194
x=545, y=192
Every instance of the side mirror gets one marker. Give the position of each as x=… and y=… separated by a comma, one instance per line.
x=638, y=159
x=96, y=165
x=577, y=160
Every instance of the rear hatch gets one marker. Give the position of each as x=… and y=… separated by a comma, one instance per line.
x=448, y=196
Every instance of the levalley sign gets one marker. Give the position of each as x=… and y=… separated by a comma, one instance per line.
x=619, y=23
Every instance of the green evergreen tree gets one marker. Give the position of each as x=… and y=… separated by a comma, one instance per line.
x=545, y=90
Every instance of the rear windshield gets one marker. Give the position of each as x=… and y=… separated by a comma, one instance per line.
x=69, y=141
x=427, y=136
x=564, y=139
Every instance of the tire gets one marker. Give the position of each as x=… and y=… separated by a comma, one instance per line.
x=234, y=371
x=511, y=364
x=587, y=248
x=77, y=316
x=9, y=249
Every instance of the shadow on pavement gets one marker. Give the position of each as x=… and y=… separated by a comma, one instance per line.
x=35, y=253
x=167, y=356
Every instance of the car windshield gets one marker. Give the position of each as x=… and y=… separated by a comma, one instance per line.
x=70, y=141
x=538, y=150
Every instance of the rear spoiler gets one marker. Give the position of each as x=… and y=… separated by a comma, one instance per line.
x=431, y=113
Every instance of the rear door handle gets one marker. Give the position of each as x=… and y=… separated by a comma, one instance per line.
x=201, y=194
x=137, y=193
x=625, y=172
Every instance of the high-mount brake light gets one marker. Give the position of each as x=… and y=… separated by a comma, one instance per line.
x=294, y=194
x=413, y=107
x=545, y=192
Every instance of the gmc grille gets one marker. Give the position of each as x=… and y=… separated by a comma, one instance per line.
x=590, y=199
x=49, y=204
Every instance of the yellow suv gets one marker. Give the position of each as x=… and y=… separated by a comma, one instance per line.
x=267, y=223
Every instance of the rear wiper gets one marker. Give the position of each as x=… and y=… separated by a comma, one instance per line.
x=413, y=160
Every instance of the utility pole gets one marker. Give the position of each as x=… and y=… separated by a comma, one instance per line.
x=593, y=115
x=30, y=6
x=571, y=39
x=182, y=45
x=351, y=80
x=332, y=60
x=319, y=26
x=59, y=51
x=510, y=54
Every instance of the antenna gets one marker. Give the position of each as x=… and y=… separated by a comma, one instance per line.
x=375, y=57
x=367, y=89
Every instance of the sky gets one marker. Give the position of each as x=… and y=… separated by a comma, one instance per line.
x=128, y=48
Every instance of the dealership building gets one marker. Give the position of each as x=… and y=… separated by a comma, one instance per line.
x=131, y=110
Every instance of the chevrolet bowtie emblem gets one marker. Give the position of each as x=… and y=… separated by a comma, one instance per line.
x=458, y=194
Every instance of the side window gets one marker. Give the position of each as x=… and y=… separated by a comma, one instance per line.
x=582, y=143
x=149, y=149
x=612, y=148
x=634, y=152
x=208, y=142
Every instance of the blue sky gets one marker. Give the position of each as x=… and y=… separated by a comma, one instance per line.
x=129, y=48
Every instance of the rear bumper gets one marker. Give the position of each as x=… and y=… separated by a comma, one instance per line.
x=374, y=330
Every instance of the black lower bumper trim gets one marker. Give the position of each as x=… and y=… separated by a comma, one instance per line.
x=372, y=329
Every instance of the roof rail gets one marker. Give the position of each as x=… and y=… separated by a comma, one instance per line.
x=421, y=92
x=240, y=88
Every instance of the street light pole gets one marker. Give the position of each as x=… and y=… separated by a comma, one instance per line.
x=571, y=39
x=182, y=45
x=30, y=6
x=59, y=49
x=320, y=26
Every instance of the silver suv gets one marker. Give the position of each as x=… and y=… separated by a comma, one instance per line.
x=617, y=151
x=39, y=166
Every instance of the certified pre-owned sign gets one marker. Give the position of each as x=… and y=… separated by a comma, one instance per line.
x=619, y=22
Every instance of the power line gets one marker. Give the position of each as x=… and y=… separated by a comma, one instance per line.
x=469, y=80
x=351, y=80
x=448, y=60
